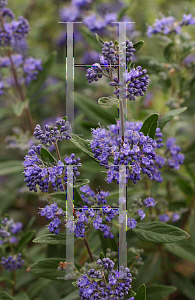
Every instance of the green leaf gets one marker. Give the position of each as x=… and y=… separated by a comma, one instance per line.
x=2, y=278
x=22, y=296
x=6, y=296
x=183, y=249
x=185, y=187
x=93, y=110
x=138, y=45
x=77, y=198
x=51, y=239
x=122, y=12
x=184, y=285
x=130, y=294
x=141, y=293
x=65, y=118
x=19, y=107
x=99, y=40
x=132, y=256
x=168, y=51
x=108, y=101
x=90, y=38
x=159, y=291
x=149, y=126
x=72, y=296
x=25, y=239
x=101, y=256
x=158, y=232
x=48, y=268
x=47, y=157
x=80, y=182
x=83, y=145
x=59, y=198
x=170, y=115
x=10, y=167
x=34, y=86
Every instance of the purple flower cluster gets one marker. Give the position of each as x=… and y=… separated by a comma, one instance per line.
x=167, y=25
x=39, y=173
x=137, y=83
x=14, y=31
x=8, y=231
x=115, y=285
x=31, y=69
x=61, y=131
x=53, y=212
x=99, y=197
x=110, y=52
x=166, y=217
x=175, y=158
x=12, y=263
x=94, y=73
x=138, y=152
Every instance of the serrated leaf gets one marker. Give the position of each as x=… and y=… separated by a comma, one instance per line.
x=83, y=145
x=11, y=167
x=137, y=46
x=170, y=115
x=51, y=239
x=99, y=40
x=47, y=157
x=48, y=268
x=19, y=107
x=108, y=101
x=159, y=291
x=141, y=293
x=34, y=86
x=80, y=182
x=25, y=239
x=149, y=126
x=157, y=232
x=183, y=249
x=6, y=296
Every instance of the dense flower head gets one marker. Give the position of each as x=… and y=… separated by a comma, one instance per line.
x=149, y=202
x=137, y=152
x=53, y=212
x=40, y=173
x=60, y=131
x=175, y=158
x=99, y=197
x=94, y=22
x=31, y=68
x=8, y=231
x=136, y=81
x=167, y=25
x=115, y=285
x=12, y=263
x=3, y=3
x=94, y=73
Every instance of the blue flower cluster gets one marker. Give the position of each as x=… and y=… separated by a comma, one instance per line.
x=53, y=212
x=137, y=83
x=94, y=73
x=61, y=131
x=8, y=231
x=166, y=217
x=99, y=197
x=106, y=284
x=28, y=68
x=167, y=25
x=148, y=202
x=138, y=152
x=39, y=173
x=14, y=31
x=175, y=157
x=12, y=263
